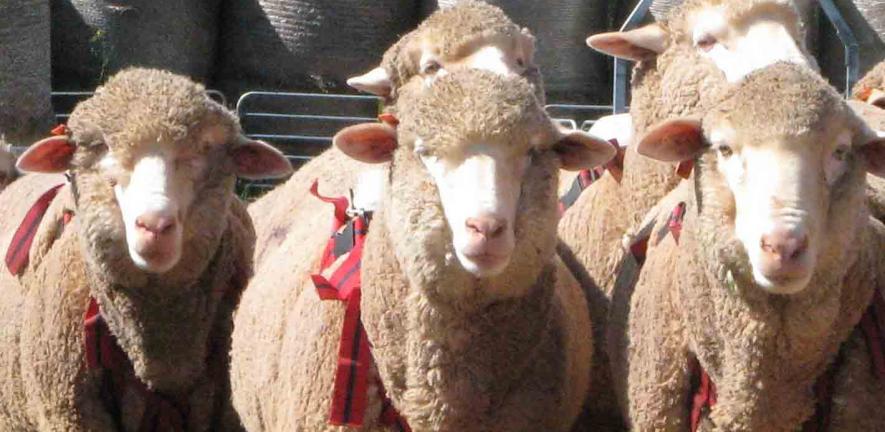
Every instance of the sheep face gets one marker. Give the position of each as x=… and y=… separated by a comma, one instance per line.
x=738, y=36
x=469, y=35
x=148, y=153
x=781, y=179
x=478, y=140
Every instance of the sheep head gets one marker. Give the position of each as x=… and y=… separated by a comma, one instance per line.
x=147, y=152
x=471, y=34
x=781, y=162
x=738, y=36
x=479, y=148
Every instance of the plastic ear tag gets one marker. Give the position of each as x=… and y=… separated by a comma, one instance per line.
x=388, y=119
x=61, y=129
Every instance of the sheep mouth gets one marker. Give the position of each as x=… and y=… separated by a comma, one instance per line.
x=484, y=264
x=782, y=283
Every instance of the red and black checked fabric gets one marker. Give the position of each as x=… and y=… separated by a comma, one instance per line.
x=355, y=359
x=17, y=255
x=103, y=354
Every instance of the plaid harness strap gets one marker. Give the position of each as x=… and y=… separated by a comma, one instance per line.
x=355, y=359
x=101, y=351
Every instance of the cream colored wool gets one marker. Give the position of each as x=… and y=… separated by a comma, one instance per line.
x=764, y=352
x=174, y=327
x=678, y=82
x=290, y=207
x=454, y=352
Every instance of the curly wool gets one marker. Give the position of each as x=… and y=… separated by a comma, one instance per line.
x=454, y=352
x=173, y=327
x=676, y=83
x=449, y=30
x=697, y=298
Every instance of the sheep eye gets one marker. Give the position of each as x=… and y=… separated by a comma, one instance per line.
x=431, y=67
x=840, y=154
x=520, y=62
x=706, y=42
x=422, y=152
x=724, y=151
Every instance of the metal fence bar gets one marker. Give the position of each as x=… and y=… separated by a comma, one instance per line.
x=849, y=43
x=622, y=67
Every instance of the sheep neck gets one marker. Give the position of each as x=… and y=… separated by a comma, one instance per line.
x=784, y=343
x=165, y=337
x=471, y=357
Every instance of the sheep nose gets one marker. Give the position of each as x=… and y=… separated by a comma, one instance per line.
x=488, y=227
x=155, y=223
x=784, y=249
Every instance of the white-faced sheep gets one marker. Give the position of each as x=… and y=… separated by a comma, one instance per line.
x=473, y=323
x=679, y=72
x=471, y=34
x=766, y=280
x=156, y=251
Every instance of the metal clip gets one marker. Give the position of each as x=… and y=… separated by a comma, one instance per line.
x=352, y=210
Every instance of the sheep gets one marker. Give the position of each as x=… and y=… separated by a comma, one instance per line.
x=471, y=34
x=682, y=66
x=776, y=261
x=157, y=251
x=470, y=30
x=448, y=313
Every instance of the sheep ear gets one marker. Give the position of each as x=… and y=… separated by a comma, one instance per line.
x=49, y=155
x=639, y=44
x=874, y=155
x=259, y=160
x=673, y=140
x=367, y=142
x=377, y=82
x=578, y=150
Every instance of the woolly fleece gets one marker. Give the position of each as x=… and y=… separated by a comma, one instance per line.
x=291, y=208
x=676, y=83
x=174, y=327
x=764, y=352
x=510, y=352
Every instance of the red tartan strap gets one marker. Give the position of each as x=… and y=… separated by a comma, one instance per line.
x=17, y=255
x=674, y=224
x=704, y=397
x=341, y=204
x=350, y=392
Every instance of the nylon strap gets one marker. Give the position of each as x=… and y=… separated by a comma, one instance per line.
x=355, y=361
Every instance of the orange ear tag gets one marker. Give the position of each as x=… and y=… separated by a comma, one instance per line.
x=388, y=119
x=61, y=129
